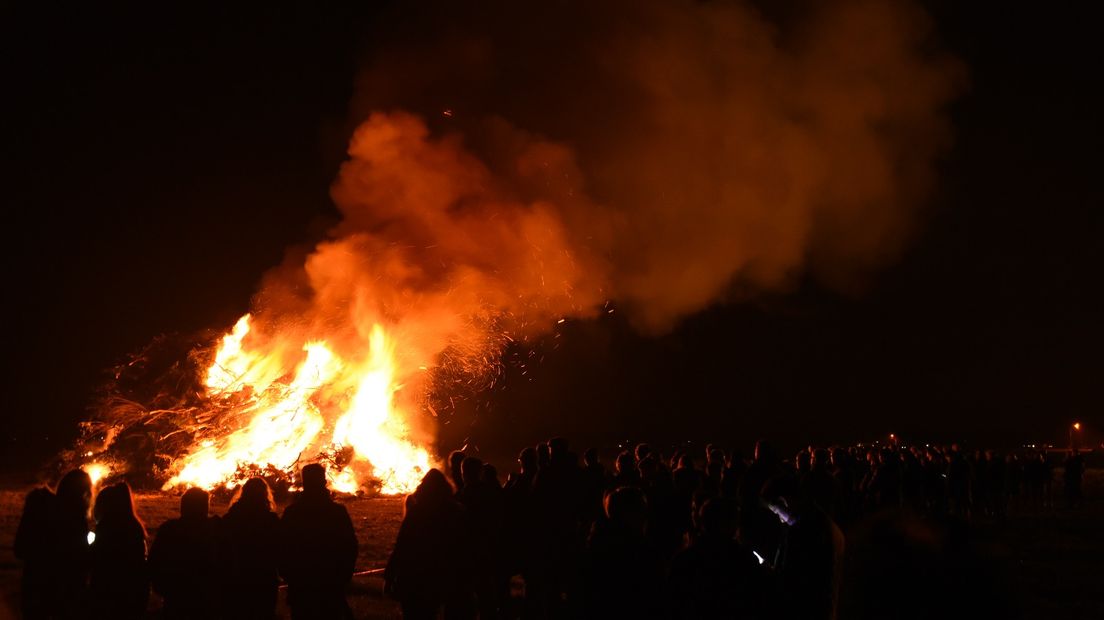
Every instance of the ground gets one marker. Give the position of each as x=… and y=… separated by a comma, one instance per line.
x=1054, y=560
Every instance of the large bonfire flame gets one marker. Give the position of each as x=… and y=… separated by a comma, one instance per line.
x=703, y=147
x=435, y=267
x=326, y=403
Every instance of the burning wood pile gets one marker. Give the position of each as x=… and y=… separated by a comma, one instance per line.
x=259, y=410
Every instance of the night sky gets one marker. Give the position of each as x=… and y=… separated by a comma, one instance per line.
x=160, y=162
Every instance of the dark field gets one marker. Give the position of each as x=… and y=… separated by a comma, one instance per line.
x=1053, y=561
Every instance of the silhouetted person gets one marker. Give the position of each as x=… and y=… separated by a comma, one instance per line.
x=427, y=570
x=819, y=485
x=1072, y=476
x=504, y=566
x=622, y=575
x=810, y=557
x=520, y=514
x=803, y=462
x=759, y=529
x=185, y=560
x=544, y=455
x=668, y=510
x=714, y=471
x=521, y=482
x=1047, y=475
x=120, y=583
x=594, y=482
x=1013, y=480
x=72, y=554
x=935, y=483
x=486, y=510
x=912, y=481
x=958, y=483
x=717, y=577
x=34, y=545
x=319, y=549
x=557, y=501
x=883, y=486
x=846, y=479
x=252, y=533
x=686, y=477
x=997, y=484
x=733, y=475
x=979, y=483
x=490, y=476
x=455, y=460
x=625, y=473
x=1034, y=472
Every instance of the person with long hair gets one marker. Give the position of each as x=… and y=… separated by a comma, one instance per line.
x=52, y=541
x=119, y=584
x=252, y=533
x=426, y=569
x=72, y=557
x=34, y=545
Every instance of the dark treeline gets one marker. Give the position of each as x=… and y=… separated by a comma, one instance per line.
x=842, y=532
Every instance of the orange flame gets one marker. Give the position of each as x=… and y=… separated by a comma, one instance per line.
x=97, y=472
x=371, y=427
x=329, y=404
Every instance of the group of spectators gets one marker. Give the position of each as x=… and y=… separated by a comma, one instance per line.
x=715, y=535
x=678, y=535
x=203, y=566
x=849, y=482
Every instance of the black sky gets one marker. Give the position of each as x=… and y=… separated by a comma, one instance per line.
x=159, y=161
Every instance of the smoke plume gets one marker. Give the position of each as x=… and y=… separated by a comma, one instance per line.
x=516, y=163
x=675, y=148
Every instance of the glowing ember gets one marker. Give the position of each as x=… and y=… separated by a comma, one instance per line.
x=97, y=472
x=330, y=405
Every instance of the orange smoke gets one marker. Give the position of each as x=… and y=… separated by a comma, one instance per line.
x=434, y=261
x=699, y=148
x=660, y=154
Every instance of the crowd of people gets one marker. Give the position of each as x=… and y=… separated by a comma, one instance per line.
x=201, y=565
x=678, y=535
x=705, y=535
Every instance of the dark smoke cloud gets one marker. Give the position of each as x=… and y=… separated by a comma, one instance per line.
x=677, y=149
